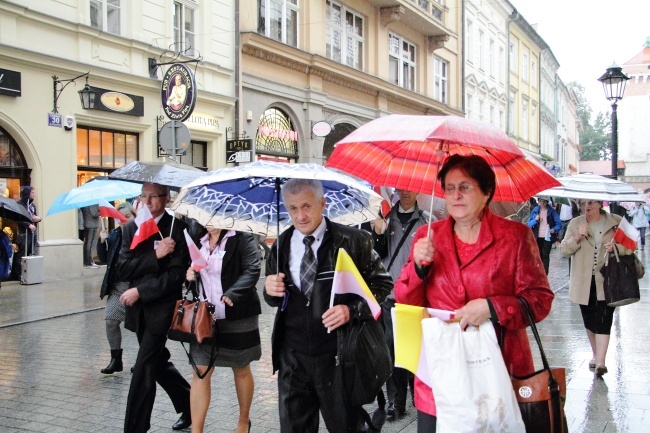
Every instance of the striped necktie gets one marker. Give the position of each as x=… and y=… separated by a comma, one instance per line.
x=308, y=268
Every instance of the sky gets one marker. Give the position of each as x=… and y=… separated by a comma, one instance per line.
x=587, y=36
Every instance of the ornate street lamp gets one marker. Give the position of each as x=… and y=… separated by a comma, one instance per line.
x=614, y=80
x=87, y=94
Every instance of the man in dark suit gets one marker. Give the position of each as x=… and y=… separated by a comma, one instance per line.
x=156, y=270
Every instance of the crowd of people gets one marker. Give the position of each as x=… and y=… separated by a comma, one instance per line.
x=472, y=262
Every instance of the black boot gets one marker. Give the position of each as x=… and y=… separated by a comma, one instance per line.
x=115, y=364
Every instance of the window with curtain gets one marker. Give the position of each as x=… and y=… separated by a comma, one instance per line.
x=402, y=62
x=345, y=35
x=105, y=15
x=185, y=27
x=278, y=19
x=440, y=78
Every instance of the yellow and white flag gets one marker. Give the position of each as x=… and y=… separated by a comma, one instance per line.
x=347, y=279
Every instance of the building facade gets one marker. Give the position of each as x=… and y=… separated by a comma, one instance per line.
x=486, y=45
x=44, y=44
x=634, y=121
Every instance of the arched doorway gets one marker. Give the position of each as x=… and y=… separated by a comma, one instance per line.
x=276, y=137
x=340, y=131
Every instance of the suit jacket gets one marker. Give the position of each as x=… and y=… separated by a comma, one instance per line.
x=159, y=281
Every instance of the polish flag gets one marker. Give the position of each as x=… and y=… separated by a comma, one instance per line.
x=198, y=261
x=146, y=227
x=385, y=203
x=347, y=279
x=107, y=210
x=626, y=235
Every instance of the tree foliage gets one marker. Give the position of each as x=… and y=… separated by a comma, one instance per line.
x=595, y=138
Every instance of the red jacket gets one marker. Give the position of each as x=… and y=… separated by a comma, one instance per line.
x=506, y=265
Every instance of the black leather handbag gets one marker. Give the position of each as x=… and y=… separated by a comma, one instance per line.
x=621, y=274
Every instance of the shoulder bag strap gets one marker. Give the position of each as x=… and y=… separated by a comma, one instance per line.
x=401, y=242
x=553, y=386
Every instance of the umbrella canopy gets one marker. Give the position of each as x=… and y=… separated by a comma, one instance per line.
x=168, y=173
x=10, y=209
x=246, y=198
x=92, y=191
x=406, y=152
x=594, y=187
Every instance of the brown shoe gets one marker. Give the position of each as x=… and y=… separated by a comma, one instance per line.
x=600, y=369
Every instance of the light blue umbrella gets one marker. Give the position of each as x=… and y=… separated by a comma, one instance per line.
x=92, y=191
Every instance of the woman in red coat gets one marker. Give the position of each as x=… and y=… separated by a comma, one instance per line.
x=475, y=264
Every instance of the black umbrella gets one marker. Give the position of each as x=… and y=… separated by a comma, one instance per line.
x=169, y=173
x=10, y=209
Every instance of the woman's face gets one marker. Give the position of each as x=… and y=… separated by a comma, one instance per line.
x=127, y=214
x=590, y=208
x=465, y=200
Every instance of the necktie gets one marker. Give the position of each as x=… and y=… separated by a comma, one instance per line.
x=308, y=268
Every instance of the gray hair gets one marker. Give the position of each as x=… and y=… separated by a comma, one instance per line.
x=294, y=186
x=128, y=206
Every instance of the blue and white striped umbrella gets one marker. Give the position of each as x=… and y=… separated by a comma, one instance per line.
x=593, y=187
x=245, y=198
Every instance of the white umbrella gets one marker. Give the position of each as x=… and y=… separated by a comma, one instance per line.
x=593, y=187
x=247, y=198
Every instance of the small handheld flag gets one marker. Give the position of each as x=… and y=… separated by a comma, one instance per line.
x=146, y=227
x=107, y=210
x=626, y=235
x=198, y=261
x=347, y=279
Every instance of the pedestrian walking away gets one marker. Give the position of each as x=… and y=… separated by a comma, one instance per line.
x=236, y=310
x=305, y=333
x=155, y=266
x=546, y=224
x=113, y=287
x=489, y=261
x=393, y=237
x=639, y=221
x=588, y=239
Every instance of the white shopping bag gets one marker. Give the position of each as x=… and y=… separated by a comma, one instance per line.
x=470, y=383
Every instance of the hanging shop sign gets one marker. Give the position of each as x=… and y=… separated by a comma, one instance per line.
x=321, y=129
x=178, y=92
x=9, y=83
x=239, y=150
x=118, y=102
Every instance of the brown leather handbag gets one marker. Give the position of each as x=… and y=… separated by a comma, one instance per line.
x=541, y=395
x=193, y=320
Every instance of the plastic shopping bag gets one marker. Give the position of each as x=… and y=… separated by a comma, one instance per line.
x=471, y=386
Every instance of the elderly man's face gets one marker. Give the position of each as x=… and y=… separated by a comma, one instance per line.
x=155, y=198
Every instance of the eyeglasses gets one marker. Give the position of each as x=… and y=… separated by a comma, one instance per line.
x=143, y=197
x=463, y=188
x=588, y=202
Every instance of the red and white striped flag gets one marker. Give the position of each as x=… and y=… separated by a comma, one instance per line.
x=146, y=227
x=198, y=261
x=626, y=235
x=107, y=210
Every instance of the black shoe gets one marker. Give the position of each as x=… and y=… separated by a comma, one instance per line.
x=116, y=363
x=183, y=422
x=132, y=369
x=390, y=412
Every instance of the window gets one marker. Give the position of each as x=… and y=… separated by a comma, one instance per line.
x=185, y=27
x=278, y=19
x=533, y=124
x=524, y=120
x=481, y=109
x=524, y=66
x=492, y=115
x=470, y=102
x=511, y=114
x=533, y=73
x=401, y=61
x=440, y=77
x=492, y=58
x=344, y=35
x=196, y=155
x=501, y=120
x=276, y=135
x=512, y=53
x=481, y=49
x=105, y=148
x=105, y=15
x=502, y=64
x=470, y=41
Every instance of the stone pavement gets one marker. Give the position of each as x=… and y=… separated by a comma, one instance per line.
x=53, y=344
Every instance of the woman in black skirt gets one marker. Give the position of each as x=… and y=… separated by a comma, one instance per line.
x=228, y=282
x=587, y=239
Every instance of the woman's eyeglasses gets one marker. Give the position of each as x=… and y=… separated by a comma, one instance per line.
x=588, y=202
x=463, y=188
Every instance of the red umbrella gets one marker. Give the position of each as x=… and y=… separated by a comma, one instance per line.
x=406, y=152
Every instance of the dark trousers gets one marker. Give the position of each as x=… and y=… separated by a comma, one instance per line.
x=152, y=365
x=544, y=252
x=397, y=383
x=426, y=423
x=90, y=244
x=307, y=384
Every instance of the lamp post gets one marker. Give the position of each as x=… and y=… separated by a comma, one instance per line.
x=614, y=80
x=87, y=94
